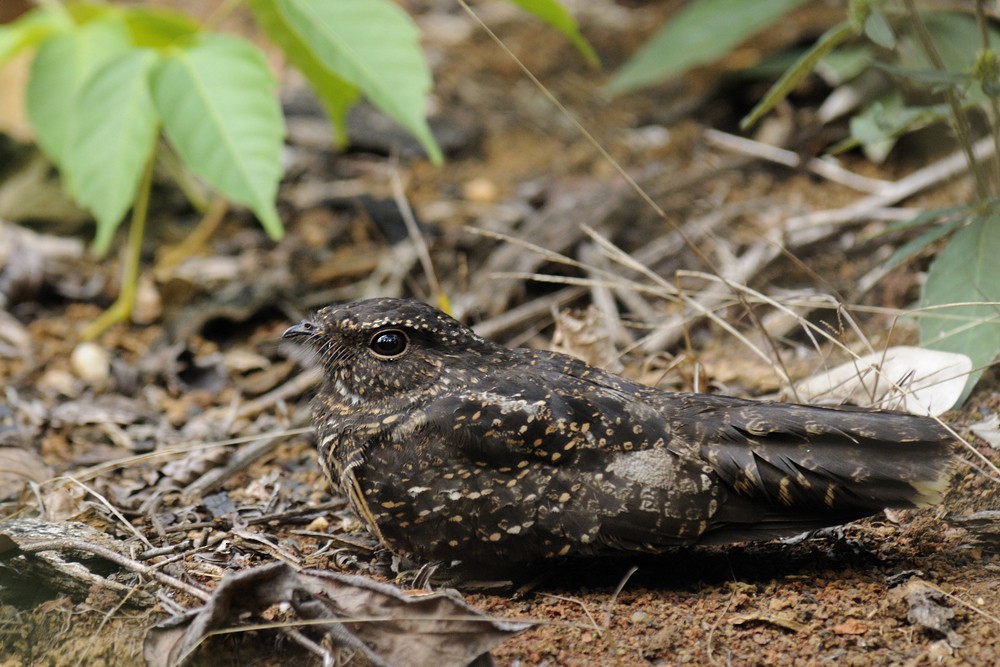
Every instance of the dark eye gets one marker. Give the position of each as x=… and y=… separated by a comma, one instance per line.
x=390, y=343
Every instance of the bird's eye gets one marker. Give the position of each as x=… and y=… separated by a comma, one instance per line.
x=389, y=343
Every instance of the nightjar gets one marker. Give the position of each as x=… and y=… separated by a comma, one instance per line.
x=451, y=447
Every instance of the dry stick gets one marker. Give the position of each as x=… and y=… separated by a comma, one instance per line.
x=526, y=312
x=651, y=253
x=738, y=143
x=416, y=237
x=269, y=548
x=296, y=386
x=675, y=328
x=965, y=604
x=583, y=605
x=715, y=626
x=603, y=297
x=826, y=168
x=760, y=297
x=663, y=288
x=116, y=558
x=240, y=459
x=111, y=508
x=816, y=226
x=811, y=227
x=614, y=596
x=806, y=229
x=167, y=452
x=545, y=253
x=319, y=651
x=654, y=291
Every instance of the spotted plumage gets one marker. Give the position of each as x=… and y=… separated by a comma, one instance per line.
x=451, y=447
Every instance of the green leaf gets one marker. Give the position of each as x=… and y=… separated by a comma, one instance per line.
x=219, y=106
x=956, y=37
x=61, y=67
x=700, y=33
x=374, y=46
x=29, y=30
x=157, y=27
x=966, y=272
x=878, y=30
x=334, y=93
x=915, y=245
x=557, y=16
x=114, y=136
x=846, y=63
x=85, y=12
x=879, y=126
x=828, y=41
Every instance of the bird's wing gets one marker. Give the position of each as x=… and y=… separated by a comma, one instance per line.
x=780, y=468
x=588, y=465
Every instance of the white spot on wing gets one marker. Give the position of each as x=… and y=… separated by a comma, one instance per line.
x=655, y=468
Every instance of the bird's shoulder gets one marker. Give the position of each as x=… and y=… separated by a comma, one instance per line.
x=547, y=406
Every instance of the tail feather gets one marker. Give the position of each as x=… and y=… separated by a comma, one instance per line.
x=794, y=468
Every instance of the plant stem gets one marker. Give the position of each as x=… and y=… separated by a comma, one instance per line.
x=958, y=116
x=198, y=237
x=984, y=37
x=121, y=309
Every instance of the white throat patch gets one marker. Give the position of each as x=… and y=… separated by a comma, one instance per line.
x=347, y=394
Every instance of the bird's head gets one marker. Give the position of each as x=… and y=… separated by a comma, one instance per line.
x=379, y=349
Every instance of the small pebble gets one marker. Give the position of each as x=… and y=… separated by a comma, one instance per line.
x=640, y=618
x=148, y=305
x=480, y=191
x=90, y=363
x=319, y=524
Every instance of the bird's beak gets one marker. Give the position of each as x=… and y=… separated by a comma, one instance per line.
x=304, y=328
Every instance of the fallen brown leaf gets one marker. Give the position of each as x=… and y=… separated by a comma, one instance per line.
x=18, y=466
x=388, y=627
x=785, y=621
